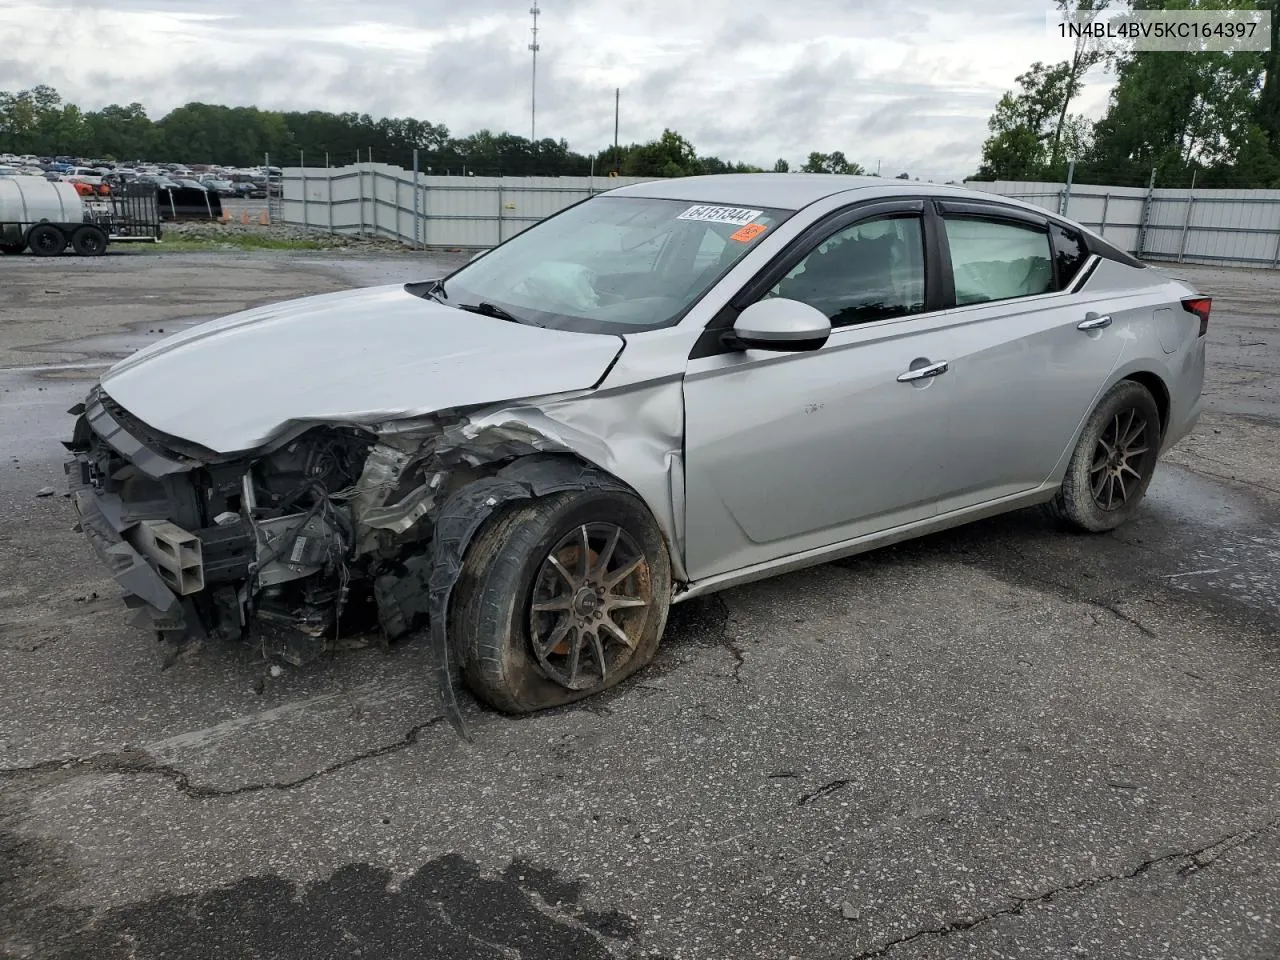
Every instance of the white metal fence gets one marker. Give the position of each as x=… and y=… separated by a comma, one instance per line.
x=1224, y=227
x=1227, y=227
x=378, y=199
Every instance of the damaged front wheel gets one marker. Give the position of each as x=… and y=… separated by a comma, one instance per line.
x=560, y=598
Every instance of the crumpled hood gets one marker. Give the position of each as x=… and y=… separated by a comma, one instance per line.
x=360, y=356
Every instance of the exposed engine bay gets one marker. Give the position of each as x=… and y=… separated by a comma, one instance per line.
x=327, y=530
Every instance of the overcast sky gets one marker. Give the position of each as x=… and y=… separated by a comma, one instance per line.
x=907, y=84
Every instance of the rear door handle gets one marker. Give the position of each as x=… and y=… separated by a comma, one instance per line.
x=932, y=370
x=1093, y=321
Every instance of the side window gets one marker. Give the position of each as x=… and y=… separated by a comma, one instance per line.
x=873, y=270
x=998, y=260
x=1070, y=252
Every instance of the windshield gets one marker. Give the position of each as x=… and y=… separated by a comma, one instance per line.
x=612, y=264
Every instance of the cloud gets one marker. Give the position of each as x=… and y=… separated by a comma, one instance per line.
x=909, y=84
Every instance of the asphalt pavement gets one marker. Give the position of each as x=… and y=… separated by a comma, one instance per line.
x=1006, y=740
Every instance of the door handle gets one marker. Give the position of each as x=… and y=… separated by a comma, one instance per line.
x=932, y=370
x=1094, y=322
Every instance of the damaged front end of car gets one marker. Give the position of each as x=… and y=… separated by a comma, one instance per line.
x=334, y=526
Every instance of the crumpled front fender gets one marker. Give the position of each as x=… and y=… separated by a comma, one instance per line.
x=456, y=524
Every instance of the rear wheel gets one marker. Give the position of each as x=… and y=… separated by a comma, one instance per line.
x=89, y=241
x=46, y=240
x=559, y=599
x=1113, y=462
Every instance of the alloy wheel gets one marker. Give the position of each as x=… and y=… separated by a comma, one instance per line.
x=1120, y=459
x=589, y=603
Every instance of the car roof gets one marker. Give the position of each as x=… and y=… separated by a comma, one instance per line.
x=793, y=191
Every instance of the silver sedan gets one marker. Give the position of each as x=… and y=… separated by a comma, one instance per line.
x=660, y=392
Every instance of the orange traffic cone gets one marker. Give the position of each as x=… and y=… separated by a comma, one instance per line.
x=264, y=219
x=244, y=218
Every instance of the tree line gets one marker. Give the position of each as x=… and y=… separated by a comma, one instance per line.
x=1212, y=118
x=38, y=121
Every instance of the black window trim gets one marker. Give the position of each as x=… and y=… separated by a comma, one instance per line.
x=1093, y=243
x=710, y=342
x=1067, y=230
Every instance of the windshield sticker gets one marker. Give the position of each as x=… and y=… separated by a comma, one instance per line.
x=712, y=214
x=748, y=233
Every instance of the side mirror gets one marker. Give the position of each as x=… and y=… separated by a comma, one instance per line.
x=779, y=324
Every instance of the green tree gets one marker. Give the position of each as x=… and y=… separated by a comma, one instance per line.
x=1025, y=129
x=1269, y=97
x=125, y=133
x=1175, y=113
x=831, y=163
x=37, y=121
x=1085, y=56
x=671, y=155
x=781, y=166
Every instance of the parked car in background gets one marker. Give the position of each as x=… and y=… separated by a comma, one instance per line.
x=10, y=172
x=191, y=184
x=250, y=188
x=661, y=392
x=163, y=183
x=223, y=188
x=88, y=186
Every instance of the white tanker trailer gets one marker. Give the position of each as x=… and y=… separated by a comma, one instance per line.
x=46, y=217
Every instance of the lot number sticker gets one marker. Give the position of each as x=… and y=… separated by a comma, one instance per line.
x=712, y=214
x=748, y=233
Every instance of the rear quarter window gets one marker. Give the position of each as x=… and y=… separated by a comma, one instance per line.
x=1069, y=253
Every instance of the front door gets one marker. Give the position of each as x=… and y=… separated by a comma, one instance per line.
x=789, y=452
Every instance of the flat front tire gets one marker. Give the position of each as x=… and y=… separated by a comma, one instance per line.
x=1113, y=461
x=560, y=598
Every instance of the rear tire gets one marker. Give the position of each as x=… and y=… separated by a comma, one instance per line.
x=1113, y=461
x=509, y=569
x=89, y=241
x=46, y=240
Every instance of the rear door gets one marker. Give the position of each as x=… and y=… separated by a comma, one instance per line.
x=1025, y=372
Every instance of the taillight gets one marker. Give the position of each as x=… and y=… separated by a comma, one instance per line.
x=1200, y=307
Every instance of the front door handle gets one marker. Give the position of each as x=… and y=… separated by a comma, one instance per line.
x=932, y=370
x=1093, y=321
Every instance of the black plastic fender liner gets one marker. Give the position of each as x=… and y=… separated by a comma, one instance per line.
x=456, y=524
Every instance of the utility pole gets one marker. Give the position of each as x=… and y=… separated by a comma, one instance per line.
x=533, y=100
x=617, y=159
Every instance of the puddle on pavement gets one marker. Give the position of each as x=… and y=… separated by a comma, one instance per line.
x=1180, y=495
x=1237, y=557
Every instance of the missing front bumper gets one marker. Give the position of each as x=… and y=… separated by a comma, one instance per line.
x=144, y=588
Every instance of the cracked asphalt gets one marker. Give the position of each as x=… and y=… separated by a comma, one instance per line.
x=1002, y=741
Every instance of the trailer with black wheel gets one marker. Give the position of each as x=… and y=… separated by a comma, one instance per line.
x=48, y=217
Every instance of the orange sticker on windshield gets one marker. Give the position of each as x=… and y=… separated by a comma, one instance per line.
x=749, y=232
